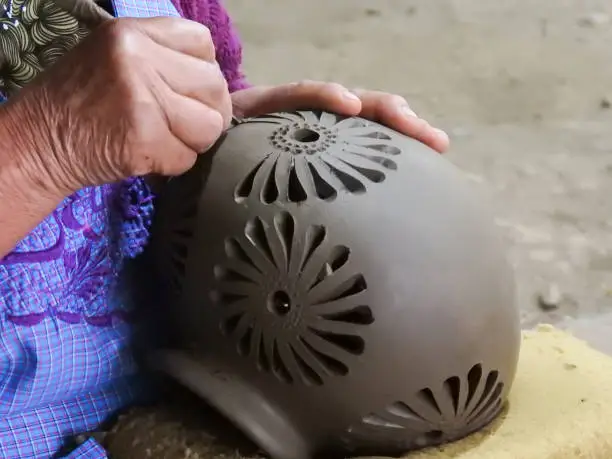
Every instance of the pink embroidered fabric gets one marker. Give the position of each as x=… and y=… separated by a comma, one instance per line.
x=229, y=49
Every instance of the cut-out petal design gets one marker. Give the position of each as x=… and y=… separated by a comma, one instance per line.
x=461, y=404
x=318, y=155
x=318, y=298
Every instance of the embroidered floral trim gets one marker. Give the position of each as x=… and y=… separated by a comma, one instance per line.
x=104, y=320
x=136, y=205
x=68, y=267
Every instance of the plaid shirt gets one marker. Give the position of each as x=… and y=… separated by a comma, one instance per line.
x=61, y=378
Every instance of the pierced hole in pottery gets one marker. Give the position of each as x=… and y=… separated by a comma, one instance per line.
x=279, y=303
x=179, y=270
x=350, y=343
x=474, y=377
x=371, y=174
x=337, y=259
x=389, y=149
x=224, y=298
x=431, y=437
x=453, y=387
x=178, y=261
x=349, y=287
x=361, y=315
x=263, y=363
x=376, y=135
x=491, y=405
x=180, y=251
x=331, y=364
x=295, y=190
x=434, y=435
x=285, y=228
x=323, y=189
x=315, y=235
x=269, y=192
x=356, y=123
x=188, y=214
x=244, y=188
x=426, y=416
x=324, y=344
x=352, y=184
x=401, y=410
x=490, y=386
x=428, y=397
x=309, y=376
x=229, y=275
x=255, y=232
x=377, y=421
x=305, y=135
x=278, y=366
x=244, y=344
x=229, y=325
x=183, y=233
x=384, y=162
x=233, y=249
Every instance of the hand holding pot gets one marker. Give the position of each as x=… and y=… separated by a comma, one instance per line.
x=388, y=109
x=137, y=97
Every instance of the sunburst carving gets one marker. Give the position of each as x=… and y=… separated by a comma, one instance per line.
x=434, y=415
x=318, y=155
x=174, y=227
x=291, y=301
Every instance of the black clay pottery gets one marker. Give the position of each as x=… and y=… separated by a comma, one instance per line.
x=337, y=288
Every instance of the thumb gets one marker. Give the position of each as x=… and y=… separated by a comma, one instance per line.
x=304, y=95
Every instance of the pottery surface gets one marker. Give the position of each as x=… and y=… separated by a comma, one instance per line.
x=306, y=255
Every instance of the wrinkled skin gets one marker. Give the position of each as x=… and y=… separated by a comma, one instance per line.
x=137, y=97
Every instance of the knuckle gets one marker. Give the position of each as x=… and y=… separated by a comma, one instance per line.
x=202, y=32
x=211, y=134
x=218, y=91
x=335, y=87
x=302, y=85
x=123, y=40
x=180, y=164
x=201, y=35
x=394, y=99
x=194, y=28
x=168, y=22
x=219, y=83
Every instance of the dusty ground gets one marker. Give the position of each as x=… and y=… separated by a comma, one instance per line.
x=524, y=89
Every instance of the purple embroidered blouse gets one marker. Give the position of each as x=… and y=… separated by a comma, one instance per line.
x=65, y=331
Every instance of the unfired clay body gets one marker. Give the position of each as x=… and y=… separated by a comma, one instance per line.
x=309, y=254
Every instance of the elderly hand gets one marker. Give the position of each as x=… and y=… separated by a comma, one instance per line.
x=388, y=109
x=138, y=96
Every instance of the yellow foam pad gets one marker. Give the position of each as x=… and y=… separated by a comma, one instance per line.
x=560, y=406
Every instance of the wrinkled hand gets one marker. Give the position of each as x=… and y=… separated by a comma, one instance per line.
x=138, y=96
x=388, y=109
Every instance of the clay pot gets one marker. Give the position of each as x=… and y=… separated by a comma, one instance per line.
x=337, y=288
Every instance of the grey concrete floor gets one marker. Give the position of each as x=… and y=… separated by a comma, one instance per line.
x=523, y=87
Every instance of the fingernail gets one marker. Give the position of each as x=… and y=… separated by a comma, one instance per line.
x=407, y=111
x=350, y=96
